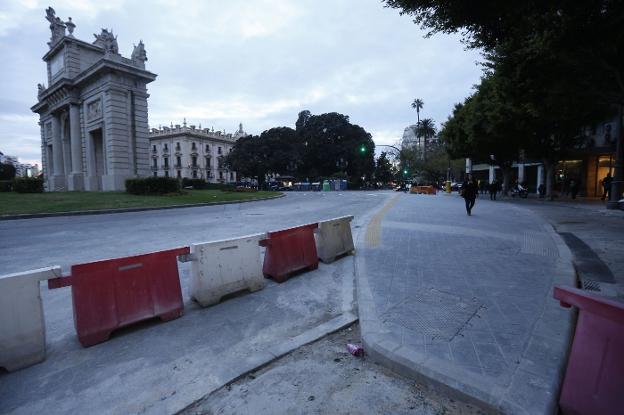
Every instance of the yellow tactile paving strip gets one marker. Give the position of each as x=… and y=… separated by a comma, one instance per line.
x=373, y=230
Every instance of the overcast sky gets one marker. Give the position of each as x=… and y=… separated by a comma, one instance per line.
x=258, y=62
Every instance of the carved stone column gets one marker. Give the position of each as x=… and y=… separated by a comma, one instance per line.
x=58, y=173
x=76, y=177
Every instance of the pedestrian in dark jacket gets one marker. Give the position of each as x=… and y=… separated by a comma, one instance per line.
x=606, y=186
x=470, y=188
x=493, y=190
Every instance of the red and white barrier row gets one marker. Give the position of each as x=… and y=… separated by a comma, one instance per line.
x=114, y=293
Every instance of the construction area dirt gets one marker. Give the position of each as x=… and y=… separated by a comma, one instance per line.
x=324, y=378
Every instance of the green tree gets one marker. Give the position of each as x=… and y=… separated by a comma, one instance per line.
x=7, y=171
x=283, y=150
x=384, y=172
x=426, y=129
x=417, y=105
x=554, y=51
x=331, y=144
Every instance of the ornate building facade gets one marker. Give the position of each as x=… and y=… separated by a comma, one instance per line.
x=190, y=152
x=93, y=114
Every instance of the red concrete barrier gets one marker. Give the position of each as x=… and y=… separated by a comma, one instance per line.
x=117, y=292
x=288, y=251
x=594, y=378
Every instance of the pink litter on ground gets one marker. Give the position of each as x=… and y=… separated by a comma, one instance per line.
x=355, y=350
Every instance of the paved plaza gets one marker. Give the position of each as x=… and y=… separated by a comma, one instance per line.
x=466, y=302
x=460, y=303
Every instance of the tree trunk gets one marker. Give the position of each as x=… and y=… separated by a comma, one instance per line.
x=550, y=174
x=506, y=176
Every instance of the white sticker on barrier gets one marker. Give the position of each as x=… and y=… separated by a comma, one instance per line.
x=334, y=238
x=224, y=267
x=22, y=327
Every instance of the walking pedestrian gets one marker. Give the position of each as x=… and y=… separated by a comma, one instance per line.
x=573, y=188
x=469, y=193
x=606, y=186
x=493, y=190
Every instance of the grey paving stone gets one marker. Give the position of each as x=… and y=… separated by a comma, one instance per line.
x=480, y=289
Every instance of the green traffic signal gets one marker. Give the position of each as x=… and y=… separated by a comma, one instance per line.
x=362, y=149
x=405, y=171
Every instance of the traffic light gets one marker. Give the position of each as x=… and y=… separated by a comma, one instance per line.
x=405, y=171
x=362, y=148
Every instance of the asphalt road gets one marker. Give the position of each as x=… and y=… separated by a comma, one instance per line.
x=34, y=243
x=154, y=367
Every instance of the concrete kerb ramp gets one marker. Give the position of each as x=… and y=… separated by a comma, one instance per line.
x=224, y=267
x=22, y=328
x=551, y=336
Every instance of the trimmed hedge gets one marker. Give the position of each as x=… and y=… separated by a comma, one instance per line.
x=6, y=185
x=196, y=184
x=152, y=186
x=28, y=185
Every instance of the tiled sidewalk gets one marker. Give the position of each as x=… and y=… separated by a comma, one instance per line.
x=466, y=302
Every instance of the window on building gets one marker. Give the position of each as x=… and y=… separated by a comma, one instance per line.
x=230, y=150
x=154, y=148
x=179, y=174
x=207, y=162
x=155, y=174
x=194, y=174
x=166, y=147
x=178, y=161
x=221, y=175
x=193, y=146
x=207, y=148
x=178, y=146
x=219, y=150
x=166, y=173
x=155, y=163
x=166, y=161
x=231, y=177
x=194, y=161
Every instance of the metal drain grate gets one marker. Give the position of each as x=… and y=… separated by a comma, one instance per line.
x=538, y=243
x=591, y=285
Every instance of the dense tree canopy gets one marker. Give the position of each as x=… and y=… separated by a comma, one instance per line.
x=384, y=172
x=321, y=146
x=7, y=171
x=551, y=69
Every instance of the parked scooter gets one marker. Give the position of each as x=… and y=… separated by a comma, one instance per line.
x=520, y=191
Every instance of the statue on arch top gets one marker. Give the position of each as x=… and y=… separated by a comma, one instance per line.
x=139, y=56
x=108, y=41
x=57, y=27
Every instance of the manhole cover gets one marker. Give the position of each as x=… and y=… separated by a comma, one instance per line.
x=435, y=314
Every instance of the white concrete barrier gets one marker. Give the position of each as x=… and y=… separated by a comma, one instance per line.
x=22, y=328
x=223, y=267
x=333, y=238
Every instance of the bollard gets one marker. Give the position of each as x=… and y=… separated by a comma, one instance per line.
x=288, y=251
x=594, y=378
x=224, y=267
x=333, y=238
x=114, y=293
x=22, y=326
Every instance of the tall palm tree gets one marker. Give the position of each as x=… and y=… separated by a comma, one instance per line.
x=417, y=105
x=426, y=128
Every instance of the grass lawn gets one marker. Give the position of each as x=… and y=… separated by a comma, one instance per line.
x=22, y=203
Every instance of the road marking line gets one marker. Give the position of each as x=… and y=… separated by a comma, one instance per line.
x=373, y=230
